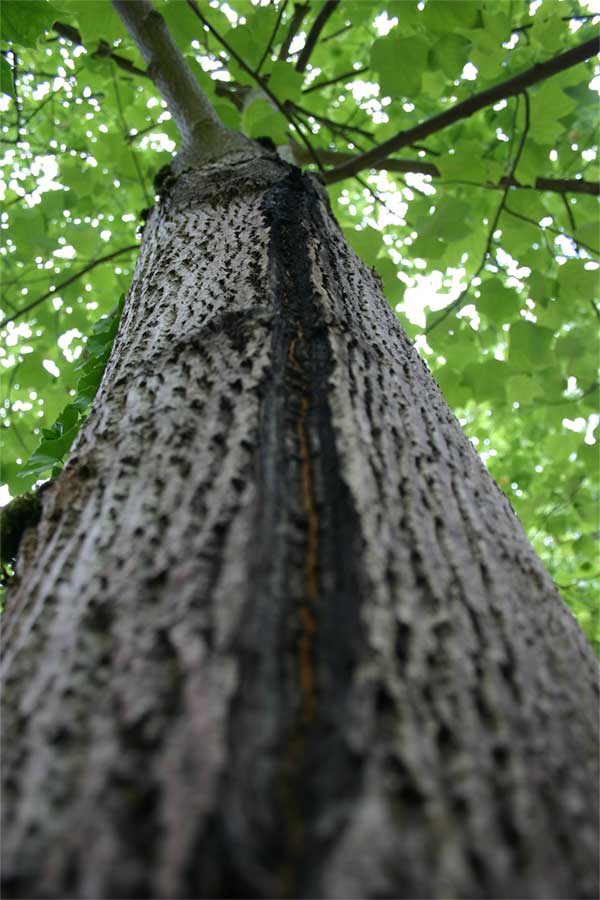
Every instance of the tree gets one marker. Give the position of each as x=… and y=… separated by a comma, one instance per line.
x=277, y=633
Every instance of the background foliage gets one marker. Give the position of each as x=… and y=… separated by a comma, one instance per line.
x=497, y=284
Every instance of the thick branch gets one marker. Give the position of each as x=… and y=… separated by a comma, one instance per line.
x=313, y=34
x=66, y=283
x=419, y=167
x=104, y=49
x=465, y=108
x=202, y=132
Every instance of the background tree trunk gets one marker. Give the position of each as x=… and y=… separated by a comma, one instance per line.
x=278, y=632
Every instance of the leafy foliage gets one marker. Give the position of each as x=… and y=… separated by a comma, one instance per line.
x=487, y=250
x=57, y=440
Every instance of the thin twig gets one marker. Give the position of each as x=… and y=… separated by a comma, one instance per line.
x=269, y=47
x=259, y=80
x=529, y=25
x=556, y=231
x=339, y=126
x=334, y=128
x=300, y=10
x=570, y=215
x=67, y=282
x=50, y=96
x=460, y=299
x=125, y=128
x=104, y=49
x=134, y=135
x=509, y=88
x=330, y=37
x=313, y=35
x=557, y=506
x=18, y=101
x=347, y=76
x=375, y=195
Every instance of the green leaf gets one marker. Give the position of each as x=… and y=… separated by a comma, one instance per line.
x=57, y=440
x=400, y=63
x=488, y=380
x=23, y=23
x=261, y=119
x=6, y=78
x=393, y=288
x=465, y=163
x=530, y=345
x=97, y=20
x=448, y=16
x=576, y=282
x=542, y=288
x=366, y=243
x=523, y=389
x=285, y=82
x=50, y=453
x=548, y=105
x=497, y=303
x=450, y=54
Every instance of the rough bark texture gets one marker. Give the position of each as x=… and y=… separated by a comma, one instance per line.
x=278, y=633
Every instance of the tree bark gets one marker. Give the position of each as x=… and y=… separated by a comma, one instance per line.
x=278, y=633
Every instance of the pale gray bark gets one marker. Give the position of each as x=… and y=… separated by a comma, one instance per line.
x=278, y=632
x=203, y=135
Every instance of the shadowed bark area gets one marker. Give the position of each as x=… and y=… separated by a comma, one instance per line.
x=278, y=634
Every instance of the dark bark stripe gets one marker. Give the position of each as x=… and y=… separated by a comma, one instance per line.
x=302, y=627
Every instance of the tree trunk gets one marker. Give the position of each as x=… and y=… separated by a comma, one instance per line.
x=278, y=633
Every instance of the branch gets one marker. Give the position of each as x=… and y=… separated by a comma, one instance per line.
x=418, y=167
x=559, y=185
x=466, y=108
x=259, y=80
x=562, y=19
x=202, y=132
x=104, y=49
x=67, y=282
x=461, y=297
x=269, y=46
x=300, y=10
x=374, y=194
x=336, y=126
x=18, y=103
x=313, y=34
x=125, y=128
x=555, y=231
x=347, y=76
x=331, y=37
